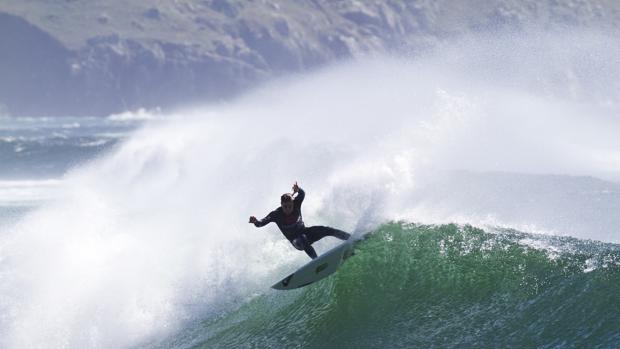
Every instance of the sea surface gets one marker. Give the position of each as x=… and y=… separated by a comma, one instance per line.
x=36, y=152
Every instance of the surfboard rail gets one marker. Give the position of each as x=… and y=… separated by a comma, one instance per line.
x=318, y=268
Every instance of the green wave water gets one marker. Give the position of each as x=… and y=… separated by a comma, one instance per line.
x=417, y=286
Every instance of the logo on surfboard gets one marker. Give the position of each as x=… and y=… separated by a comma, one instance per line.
x=321, y=267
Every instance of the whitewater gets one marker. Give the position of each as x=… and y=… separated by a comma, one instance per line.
x=481, y=178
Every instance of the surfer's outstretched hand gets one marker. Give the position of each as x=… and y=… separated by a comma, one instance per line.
x=253, y=219
x=295, y=187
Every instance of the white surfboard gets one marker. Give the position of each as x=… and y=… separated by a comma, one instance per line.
x=323, y=266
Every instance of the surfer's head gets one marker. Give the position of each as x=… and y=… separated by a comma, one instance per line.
x=286, y=200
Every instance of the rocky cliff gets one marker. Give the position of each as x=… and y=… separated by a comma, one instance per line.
x=75, y=57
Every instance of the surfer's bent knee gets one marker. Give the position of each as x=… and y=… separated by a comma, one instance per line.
x=300, y=242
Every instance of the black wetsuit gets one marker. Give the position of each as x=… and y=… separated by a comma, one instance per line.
x=293, y=228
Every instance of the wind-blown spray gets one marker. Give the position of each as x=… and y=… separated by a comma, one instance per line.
x=154, y=234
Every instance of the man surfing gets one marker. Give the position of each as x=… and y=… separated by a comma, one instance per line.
x=289, y=220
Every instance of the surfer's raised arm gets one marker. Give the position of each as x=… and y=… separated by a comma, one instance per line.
x=301, y=194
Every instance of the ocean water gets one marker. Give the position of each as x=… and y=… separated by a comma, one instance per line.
x=480, y=180
x=36, y=152
x=417, y=286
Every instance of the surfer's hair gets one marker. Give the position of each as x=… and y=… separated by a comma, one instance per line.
x=286, y=197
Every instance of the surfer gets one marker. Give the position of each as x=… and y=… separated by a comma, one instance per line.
x=289, y=220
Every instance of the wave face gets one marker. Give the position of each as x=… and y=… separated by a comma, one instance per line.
x=417, y=286
x=150, y=238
